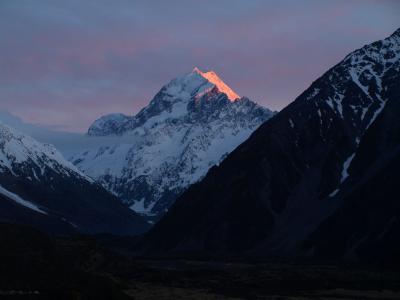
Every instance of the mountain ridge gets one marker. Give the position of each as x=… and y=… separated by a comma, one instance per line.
x=41, y=188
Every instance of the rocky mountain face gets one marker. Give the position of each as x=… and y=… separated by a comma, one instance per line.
x=366, y=225
x=191, y=124
x=320, y=178
x=40, y=188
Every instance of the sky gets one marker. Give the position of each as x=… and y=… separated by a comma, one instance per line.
x=63, y=63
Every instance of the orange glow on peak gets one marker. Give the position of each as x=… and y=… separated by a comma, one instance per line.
x=212, y=77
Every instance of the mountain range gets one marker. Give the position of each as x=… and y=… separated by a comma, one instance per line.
x=222, y=176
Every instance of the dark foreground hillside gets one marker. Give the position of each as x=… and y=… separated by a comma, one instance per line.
x=36, y=266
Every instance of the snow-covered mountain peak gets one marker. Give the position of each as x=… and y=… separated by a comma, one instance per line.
x=196, y=83
x=194, y=93
x=190, y=125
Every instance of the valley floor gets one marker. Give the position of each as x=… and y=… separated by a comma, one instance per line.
x=183, y=279
x=36, y=266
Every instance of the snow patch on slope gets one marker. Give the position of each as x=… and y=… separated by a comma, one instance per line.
x=345, y=168
x=21, y=201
